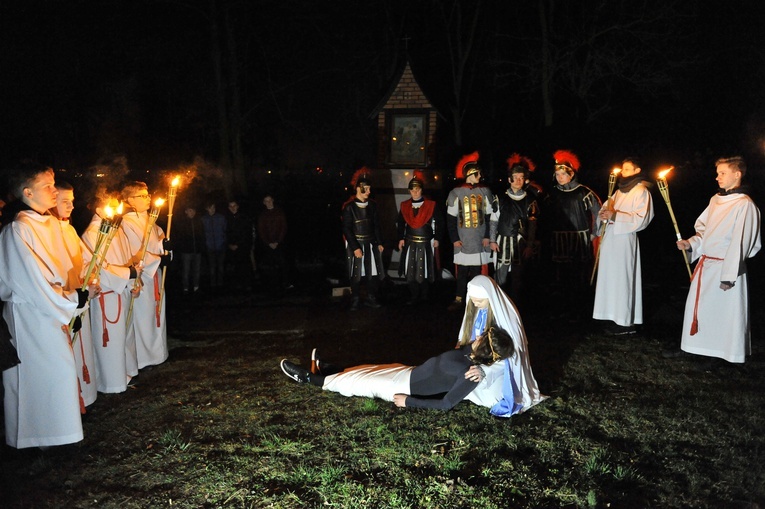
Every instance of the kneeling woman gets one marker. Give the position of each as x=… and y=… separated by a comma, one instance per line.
x=453, y=374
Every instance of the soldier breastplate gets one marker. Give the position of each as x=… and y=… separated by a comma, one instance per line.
x=362, y=225
x=511, y=215
x=471, y=211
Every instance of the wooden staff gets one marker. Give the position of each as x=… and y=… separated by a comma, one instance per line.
x=604, y=224
x=664, y=189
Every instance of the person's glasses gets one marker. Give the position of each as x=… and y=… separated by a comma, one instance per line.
x=145, y=196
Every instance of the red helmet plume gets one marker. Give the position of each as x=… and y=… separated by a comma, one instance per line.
x=467, y=166
x=566, y=158
x=517, y=160
x=418, y=180
x=362, y=176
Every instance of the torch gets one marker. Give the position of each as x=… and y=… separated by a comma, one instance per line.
x=664, y=189
x=105, y=233
x=611, y=185
x=170, y=203
x=116, y=222
x=152, y=218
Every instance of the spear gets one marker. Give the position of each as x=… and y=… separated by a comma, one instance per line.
x=602, y=230
x=170, y=203
x=664, y=189
x=152, y=218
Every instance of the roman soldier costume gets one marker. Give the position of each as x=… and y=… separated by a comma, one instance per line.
x=419, y=224
x=572, y=214
x=361, y=230
x=516, y=226
x=469, y=209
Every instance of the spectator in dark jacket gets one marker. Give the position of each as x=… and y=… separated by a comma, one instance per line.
x=189, y=240
x=272, y=230
x=215, y=243
x=239, y=240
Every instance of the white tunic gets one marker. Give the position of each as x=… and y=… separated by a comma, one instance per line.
x=116, y=362
x=82, y=344
x=727, y=233
x=42, y=400
x=146, y=329
x=619, y=290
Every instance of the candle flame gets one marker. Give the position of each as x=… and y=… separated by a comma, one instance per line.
x=159, y=202
x=119, y=209
x=176, y=181
x=616, y=171
x=109, y=212
x=663, y=174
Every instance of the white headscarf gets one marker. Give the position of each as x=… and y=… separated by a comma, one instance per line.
x=522, y=389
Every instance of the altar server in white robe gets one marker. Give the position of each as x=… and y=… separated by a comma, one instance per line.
x=147, y=324
x=116, y=360
x=619, y=289
x=41, y=400
x=82, y=341
x=716, y=320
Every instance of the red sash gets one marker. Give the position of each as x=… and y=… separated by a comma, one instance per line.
x=105, y=319
x=424, y=215
x=699, y=269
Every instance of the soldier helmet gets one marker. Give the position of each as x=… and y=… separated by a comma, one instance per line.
x=517, y=163
x=567, y=160
x=362, y=177
x=418, y=180
x=467, y=166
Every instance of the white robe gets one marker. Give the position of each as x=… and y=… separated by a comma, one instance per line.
x=728, y=232
x=371, y=381
x=619, y=290
x=147, y=329
x=82, y=343
x=490, y=390
x=116, y=361
x=42, y=400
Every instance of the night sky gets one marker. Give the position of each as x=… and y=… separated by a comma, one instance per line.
x=82, y=82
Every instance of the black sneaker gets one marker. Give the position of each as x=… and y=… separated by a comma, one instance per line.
x=297, y=373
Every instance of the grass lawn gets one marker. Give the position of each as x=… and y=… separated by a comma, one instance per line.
x=219, y=425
